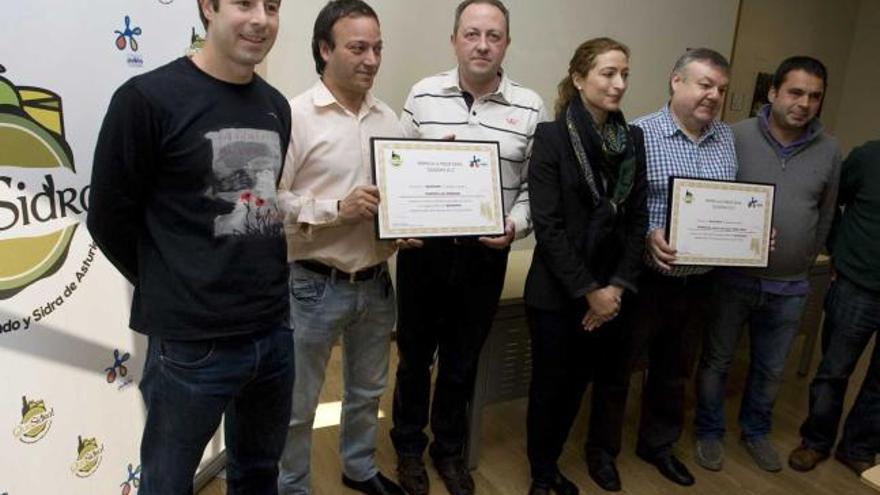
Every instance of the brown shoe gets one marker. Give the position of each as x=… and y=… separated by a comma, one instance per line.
x=804, y=458
x=856, y=466
x=455, y=475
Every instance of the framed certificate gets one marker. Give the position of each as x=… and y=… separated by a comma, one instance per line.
x=437, y=188
x=719, y=223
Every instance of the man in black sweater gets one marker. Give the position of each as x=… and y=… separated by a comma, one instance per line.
x=852, y=317
x=183, y=203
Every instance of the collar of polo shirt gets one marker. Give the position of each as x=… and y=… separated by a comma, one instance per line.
x=452, y=83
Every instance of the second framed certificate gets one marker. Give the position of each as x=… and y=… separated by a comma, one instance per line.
x=720, y=223
x=437, y=188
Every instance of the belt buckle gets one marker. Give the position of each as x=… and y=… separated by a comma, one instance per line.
x=352, y=277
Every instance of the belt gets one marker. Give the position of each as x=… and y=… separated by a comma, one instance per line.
x=674, y=281
x=368, y=273
x=451, y=241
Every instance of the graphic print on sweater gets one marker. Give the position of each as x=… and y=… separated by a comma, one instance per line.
x=246, y=164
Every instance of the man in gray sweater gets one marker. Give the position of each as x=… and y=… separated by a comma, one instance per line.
x=786, y=146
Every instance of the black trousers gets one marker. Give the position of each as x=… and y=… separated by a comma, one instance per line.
x=565, y=358
x=447, y=297
x=672, y=313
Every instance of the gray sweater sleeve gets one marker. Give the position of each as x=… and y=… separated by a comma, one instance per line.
x=828, y=207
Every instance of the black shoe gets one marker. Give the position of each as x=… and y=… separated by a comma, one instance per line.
x=563, y=486
x=560, y=486
x=455, y=475
x=377, y=485
x=411, y=475
x=539, y=490
x=671, y=468
x=604, y=473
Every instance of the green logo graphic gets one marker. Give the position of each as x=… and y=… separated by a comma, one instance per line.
x=32, y=137
x=35, y=421
x=196, y=42
x=88, y=457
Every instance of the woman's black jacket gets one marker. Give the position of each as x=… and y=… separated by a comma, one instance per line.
x=580, y=247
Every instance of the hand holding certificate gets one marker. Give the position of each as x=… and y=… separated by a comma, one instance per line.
x=720, y=223
x=437, y=188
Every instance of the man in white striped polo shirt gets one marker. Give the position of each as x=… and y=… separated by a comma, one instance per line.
x=449, y=289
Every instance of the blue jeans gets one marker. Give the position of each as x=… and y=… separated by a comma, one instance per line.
x=773, y=322
x=852, y=317
x=189, y=385
x=323, y=309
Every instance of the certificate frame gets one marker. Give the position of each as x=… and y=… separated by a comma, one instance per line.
x=714, y=219
x=432, y=188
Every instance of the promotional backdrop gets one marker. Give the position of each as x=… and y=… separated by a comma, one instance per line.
x=70, y=411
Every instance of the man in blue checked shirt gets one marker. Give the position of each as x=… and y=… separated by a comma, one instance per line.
x=682, y=139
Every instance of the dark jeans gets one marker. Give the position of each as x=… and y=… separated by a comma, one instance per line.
x=671, y=314
x=852, y=317
x=565, y=357
x=189, y=385
x=773, y=322
x=447, y=297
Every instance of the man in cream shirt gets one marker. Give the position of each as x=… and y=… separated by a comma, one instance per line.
x=339, y=282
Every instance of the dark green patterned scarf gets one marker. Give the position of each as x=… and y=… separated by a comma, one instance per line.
x=612, y=151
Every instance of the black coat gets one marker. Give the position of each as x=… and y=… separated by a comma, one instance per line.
x=580, y=247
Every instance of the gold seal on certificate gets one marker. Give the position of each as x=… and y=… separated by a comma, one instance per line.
x=437, y=188
x=719, y=223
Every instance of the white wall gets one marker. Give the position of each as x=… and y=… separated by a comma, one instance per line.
x=544, y=34
x=772, y=30
x=858, y=116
